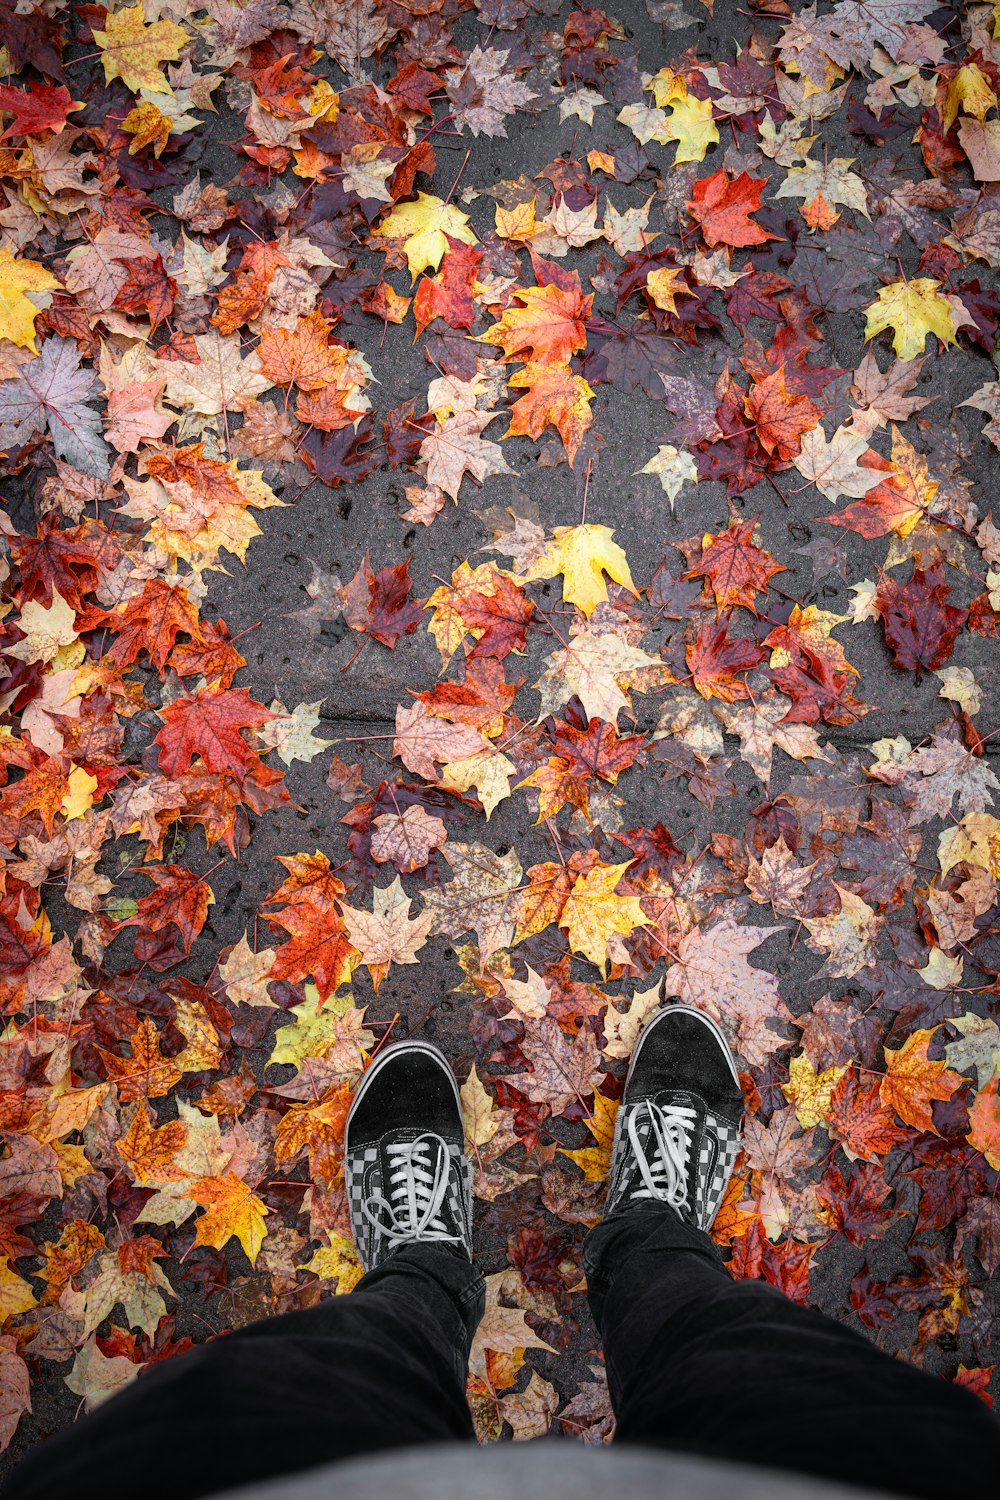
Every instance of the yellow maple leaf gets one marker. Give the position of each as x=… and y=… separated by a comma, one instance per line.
x=517, y=223
x=488, y=771
x=337, y=1262
x=67, y=1112
x=809, y=1091
x=422, y=226
x=16, y=1294
x=47, y=628
x=594, y=1161
x=17, y=311
x=597, y=666
x=134, y=50
x=912, y=309
x=691, y=125
x=594, y=915
x=583, y=554
x=232, y=1210
x=662, y=285
x=848, y=936
x=667, y=87
x=976, y=840
x=148, y=127
x=479, y=1112
x=970, y=92
x=80, y=797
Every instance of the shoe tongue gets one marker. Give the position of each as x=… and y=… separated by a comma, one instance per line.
x=683, y=1098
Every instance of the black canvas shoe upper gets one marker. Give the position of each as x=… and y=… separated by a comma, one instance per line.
x=677, y=1132
x=408, y=1178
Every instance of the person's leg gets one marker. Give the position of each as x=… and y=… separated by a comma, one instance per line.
x=703, y=1364
x=384, y=1367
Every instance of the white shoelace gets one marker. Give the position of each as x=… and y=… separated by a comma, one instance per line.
x=417, y=1188
x=664, y=1169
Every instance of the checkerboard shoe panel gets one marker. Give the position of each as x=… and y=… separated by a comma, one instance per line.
x=714, y=1144
x=364, y=1178
x=359, y=1171
x=718, y=1149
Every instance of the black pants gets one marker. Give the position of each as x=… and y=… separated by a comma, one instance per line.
x=697, y=1363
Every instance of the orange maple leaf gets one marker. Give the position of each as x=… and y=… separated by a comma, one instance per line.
x=150, y=622
x=859, y=1119
x=984, y=1125
x=41, y=790
x=780, y=415
x=556, y=397
x=318, y=944
x=541, y=901
x=736, y=568
x=317, y=1128
x=547, y=328
x=147, y=1074
x=913, y=1081
x=304, y=356
x=149, y=1149
x=244, y=298
x=234, y=1211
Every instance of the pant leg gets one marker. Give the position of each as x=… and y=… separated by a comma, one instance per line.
x=382, y=1368
x=700, y=1363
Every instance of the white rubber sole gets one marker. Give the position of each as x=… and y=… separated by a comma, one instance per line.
x=427, y=1048
x=707, y=1021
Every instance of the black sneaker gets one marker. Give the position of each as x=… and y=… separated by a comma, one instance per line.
x=677, y=1133
x=408, y=1178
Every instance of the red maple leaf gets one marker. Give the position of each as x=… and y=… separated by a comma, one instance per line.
x=212, y=656
x=448, y=295
x=596, y=750
x=503, y=617
x=715, y=660
x=317, y=944
x=785, y=1266
x=481, y=700
x=920, y=625
x=148, y=287
x=40, y=107
x=817, y=690
x=861, y=1120
x=181, y=900
x=24, y=928
x=379, y=604
x=341, y=457
x=210, y=724
x=723, y=208
x=55, y=559
x=870, y=1302
x=856, y=1207
x=737, y=457
x=309, y=878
